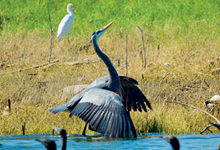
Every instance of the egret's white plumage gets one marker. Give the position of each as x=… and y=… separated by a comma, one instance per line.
x=66, y=23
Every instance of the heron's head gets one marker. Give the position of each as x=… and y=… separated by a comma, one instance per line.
x=98, y=33
x=70, y=7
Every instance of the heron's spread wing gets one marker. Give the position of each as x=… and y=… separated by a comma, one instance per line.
x=106, y=78
x=130, y=92
x=104, y=111
x=133, y=96
x=99, y=81
x=128, y=79
x=70, y=105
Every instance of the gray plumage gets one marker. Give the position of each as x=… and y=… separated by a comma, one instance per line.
x=129, y=91
x=100, y=105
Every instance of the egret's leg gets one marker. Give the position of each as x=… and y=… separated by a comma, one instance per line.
x=68, y=40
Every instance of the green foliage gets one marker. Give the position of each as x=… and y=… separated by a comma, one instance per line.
x=163, y=19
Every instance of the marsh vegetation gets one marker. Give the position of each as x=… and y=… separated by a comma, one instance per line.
x=184, y=34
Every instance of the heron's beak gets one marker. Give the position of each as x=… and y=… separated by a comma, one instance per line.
x=75, y=7
x=106, y=27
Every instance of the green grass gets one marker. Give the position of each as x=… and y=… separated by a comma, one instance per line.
x=170, y=19
x=187, y=33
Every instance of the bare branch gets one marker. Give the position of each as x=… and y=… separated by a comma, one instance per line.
x=23, y=128
x=206, y=128
x=206, y=83
x=186, y=59
x=165, y=75
x=143, y=55
x=51, y=34
x=37, y=66
x=196, y=109
x=216, y=125
x=126, y=56
x=211, y=124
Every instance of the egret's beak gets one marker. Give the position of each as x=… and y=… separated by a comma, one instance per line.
x=75, y=7
x=108, y=25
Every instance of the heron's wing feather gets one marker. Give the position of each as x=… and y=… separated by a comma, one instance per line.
x=70, y=105
x=128, y=79
x=99, y=81
x=106, y=78
x=135, y=99
x=58, y=109
x=133, y=96
x=104, y=111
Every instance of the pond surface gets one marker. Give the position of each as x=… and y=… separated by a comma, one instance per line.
x=151, y=141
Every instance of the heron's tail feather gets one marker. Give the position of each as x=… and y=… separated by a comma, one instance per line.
x=59, y=109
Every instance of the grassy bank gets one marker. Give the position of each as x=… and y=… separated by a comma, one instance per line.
x=184, y=34
x=161, y=19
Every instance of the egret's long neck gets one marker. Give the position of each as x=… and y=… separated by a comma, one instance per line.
x=114, y=82
x=70, y=11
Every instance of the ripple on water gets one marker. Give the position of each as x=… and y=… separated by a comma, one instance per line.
x=151, y=141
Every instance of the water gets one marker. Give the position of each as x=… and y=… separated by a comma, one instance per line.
x=151, y=142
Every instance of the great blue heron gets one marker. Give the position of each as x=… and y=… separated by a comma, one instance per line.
x=51, y=145
x=101, y=106
x=129, y=91
x=66, y=23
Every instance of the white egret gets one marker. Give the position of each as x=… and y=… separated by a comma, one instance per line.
x=66, y=23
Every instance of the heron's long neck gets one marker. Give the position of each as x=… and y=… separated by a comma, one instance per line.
x=114, y=82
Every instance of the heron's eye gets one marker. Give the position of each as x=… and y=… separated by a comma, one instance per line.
x=98, y=32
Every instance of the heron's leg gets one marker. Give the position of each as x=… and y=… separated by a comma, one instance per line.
x=84, y=130
x=133, y=130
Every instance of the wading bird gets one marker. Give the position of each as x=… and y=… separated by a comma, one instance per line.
x=173, y=141
x=66, y=23
x=129, y=91
x=51, y=145
x=101, y=106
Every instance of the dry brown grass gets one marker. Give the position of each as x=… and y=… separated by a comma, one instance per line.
x=35, y=90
